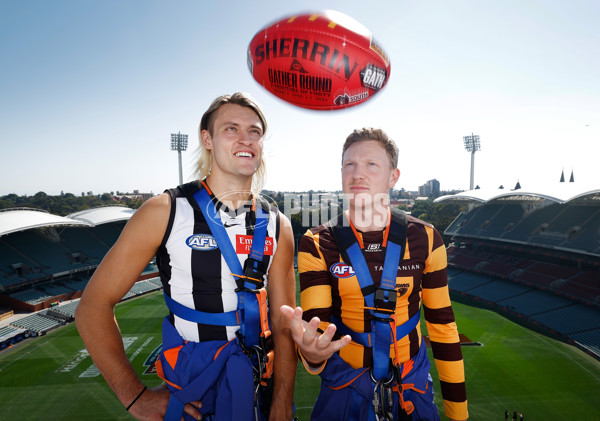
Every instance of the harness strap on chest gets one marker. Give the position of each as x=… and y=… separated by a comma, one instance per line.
x=367, y=338
x=230, y=318
x=381, y=301
x=250, y=278
x=251, y=315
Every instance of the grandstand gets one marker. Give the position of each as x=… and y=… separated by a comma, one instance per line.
x=532, y=254
x=16, y=328
x=47, y=260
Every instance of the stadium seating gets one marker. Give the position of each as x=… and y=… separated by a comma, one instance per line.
x=11, y=281
x=76, y=284
x=503, y=221
x=572, y=226
x=531, y=222
x=31, y=296
x=142, y=287
x=67, y=309
x=589, y=339
x=465, y=281
x=82, y=240
x=37, y=322
x=570, y=216
x=54, y=289
x=588, y=238
x=108, y=233
x=7, y=330
x=565, y=279
x=498, y=290
x=156, y=281
x=44, y=250
x=540, y=260
x=570, y=319
x=534, y=301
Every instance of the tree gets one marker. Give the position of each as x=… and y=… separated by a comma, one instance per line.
x=440, y=215
x=5, y=204
x=421, y=209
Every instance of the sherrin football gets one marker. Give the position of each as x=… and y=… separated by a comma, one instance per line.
x=321, y=61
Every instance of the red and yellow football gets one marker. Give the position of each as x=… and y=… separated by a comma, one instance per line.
x=321, y=61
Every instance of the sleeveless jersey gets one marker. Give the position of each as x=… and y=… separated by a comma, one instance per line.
x=192, y=269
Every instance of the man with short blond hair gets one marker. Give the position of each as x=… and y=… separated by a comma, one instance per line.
x=365, y=277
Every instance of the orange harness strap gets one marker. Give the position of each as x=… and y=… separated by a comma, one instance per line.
x=160, y=373
x=265, y=335
x=408, y=406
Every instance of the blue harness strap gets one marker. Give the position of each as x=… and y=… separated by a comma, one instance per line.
x=381, y=301
x=248, y=306
x=346, y=393
x=230, y=373
x=217, y=373
x=366, y=338
x=229, y=318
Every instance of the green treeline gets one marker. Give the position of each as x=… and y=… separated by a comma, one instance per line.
x=66, y=203
x=439, y=214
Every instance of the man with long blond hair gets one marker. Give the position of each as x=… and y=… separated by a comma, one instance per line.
x=218, y=246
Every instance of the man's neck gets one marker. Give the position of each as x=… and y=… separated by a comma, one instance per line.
x=366, y=219
x=231, y=192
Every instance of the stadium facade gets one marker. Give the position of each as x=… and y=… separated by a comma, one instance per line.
x=532, y=254
x=46, y=261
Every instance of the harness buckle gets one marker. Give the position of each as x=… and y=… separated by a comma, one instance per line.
x=384, y=382
x=385, y=299
x=266, y=342
x=254, y=274
x=265, y=357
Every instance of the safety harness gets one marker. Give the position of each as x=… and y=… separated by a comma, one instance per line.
x=254, y=335
x=386, y=375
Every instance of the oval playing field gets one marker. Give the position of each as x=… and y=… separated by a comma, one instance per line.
x=52, y=377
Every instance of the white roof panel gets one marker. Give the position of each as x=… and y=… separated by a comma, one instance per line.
x=14, y=220
x=103, y=215
x=560, y=193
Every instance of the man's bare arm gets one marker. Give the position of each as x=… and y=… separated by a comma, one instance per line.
x=282, y=291
x=114, y=277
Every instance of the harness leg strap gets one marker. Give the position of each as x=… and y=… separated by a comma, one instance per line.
x=175, y=409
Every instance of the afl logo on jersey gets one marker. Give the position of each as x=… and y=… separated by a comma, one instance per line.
x=341, y=270
x=201, y=242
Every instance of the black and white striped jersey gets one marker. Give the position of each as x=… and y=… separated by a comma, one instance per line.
x=192, y=269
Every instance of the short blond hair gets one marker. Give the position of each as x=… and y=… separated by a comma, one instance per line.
x=378, y=135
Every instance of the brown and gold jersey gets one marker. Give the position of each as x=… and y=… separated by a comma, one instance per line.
x=329, y=288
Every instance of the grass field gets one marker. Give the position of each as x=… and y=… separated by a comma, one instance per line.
x=516, y=369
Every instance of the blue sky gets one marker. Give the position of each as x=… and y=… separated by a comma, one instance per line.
x=92, y=90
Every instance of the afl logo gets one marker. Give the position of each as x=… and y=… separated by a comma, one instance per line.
x=341, y=270
x=201, y=242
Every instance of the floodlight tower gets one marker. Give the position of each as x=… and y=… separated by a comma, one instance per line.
x=472, y=145
x=179, y=142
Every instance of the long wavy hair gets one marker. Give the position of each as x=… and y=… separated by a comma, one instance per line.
x=204, y=163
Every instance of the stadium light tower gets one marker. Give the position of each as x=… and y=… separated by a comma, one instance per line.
x=179, y=142
x=472, y=145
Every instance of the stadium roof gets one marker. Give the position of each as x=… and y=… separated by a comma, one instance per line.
x=21, y=219
x=559, y=193
x=14, y=220
x=103, y=215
